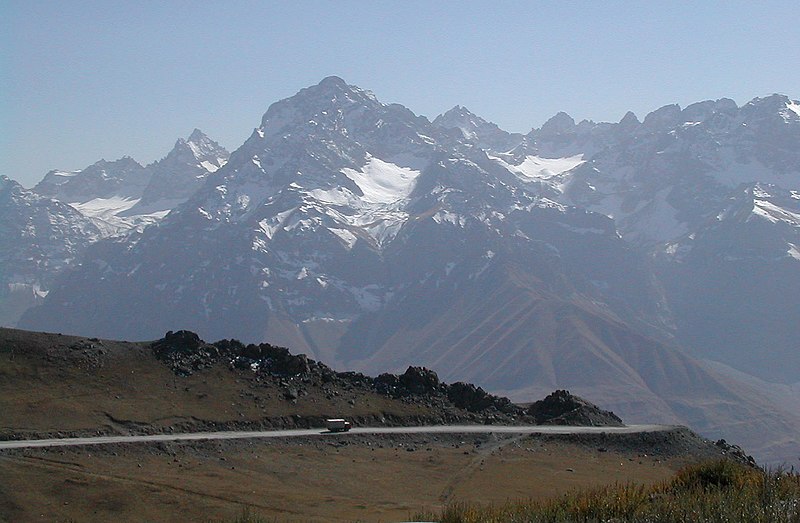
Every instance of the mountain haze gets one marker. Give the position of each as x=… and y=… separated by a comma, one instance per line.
x=600, y=257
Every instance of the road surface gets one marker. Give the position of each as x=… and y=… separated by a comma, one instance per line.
x=439, y=429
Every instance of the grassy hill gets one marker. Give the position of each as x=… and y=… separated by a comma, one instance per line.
x=62, y=385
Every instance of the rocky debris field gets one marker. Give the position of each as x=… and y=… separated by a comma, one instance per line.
x=185, y=353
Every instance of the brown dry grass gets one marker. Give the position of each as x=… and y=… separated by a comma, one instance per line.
x=717, y=491
x=308, y=480
x=48, y=387
x=44, y=389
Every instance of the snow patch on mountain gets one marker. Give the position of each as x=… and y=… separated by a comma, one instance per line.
x=63, y=174
x=774, y=214
x=732, y=171
x=210, y=167
x=382, y=226
x=444, y=216
x=538, y=168
x=655, y=219
x=382, y=182
x=370, y=297
x=793, y=106
x=339, y=196
x=105, y=208
x=346, y=236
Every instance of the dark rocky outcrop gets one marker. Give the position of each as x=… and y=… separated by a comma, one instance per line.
x=474, y=399
x=419, y=380
x=185, y=353
x=563, y=408
x=735, y=452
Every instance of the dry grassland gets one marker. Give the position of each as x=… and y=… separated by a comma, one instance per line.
x=371, y=479
x=48, y=386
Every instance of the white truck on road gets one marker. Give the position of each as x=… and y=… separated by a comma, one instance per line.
x=337, y=425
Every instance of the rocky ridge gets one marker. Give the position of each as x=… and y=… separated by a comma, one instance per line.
x=185, y=353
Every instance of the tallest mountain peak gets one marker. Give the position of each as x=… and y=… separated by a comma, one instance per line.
x=333, y=81
x=335, y=89
x=317, y=103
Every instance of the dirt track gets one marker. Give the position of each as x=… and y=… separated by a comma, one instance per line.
x=443, y=429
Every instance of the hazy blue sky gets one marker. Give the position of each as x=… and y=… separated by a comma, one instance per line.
x=84, y=80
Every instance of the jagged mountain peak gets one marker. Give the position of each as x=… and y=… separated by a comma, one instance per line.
x=336, y=87
x=198, y=148
x=322, y=104
x=484, y=133
x=561, y=123
x=39, y=237
x=13, y=189
x=457, y=111
x=702, y=111
x=126, y=162
x=103, y=178
x=663, y=118
x=630, y=118
x=333, y=81
x=182, y=172
x=771, y=102
x=776, y=107
x=462, y=118
x=5, y=181
x=197, y=136
x=307, y=142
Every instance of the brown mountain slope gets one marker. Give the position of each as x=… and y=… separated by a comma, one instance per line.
x=517, y=340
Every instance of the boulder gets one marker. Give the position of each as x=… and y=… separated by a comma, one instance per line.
x=469, y=397
x=297, y=365
x=563, y=408
x=185, y=352
x=387, y=384
x=252, y=352
x=419, y=380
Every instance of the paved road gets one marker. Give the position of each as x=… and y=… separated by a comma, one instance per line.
x=440, y=429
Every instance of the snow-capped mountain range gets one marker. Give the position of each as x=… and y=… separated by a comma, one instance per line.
x=124, y=195
x=608, y=258
x=47, y=228
x=39, y=238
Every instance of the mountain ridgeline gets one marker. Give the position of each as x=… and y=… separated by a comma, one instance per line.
x=612, y=259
